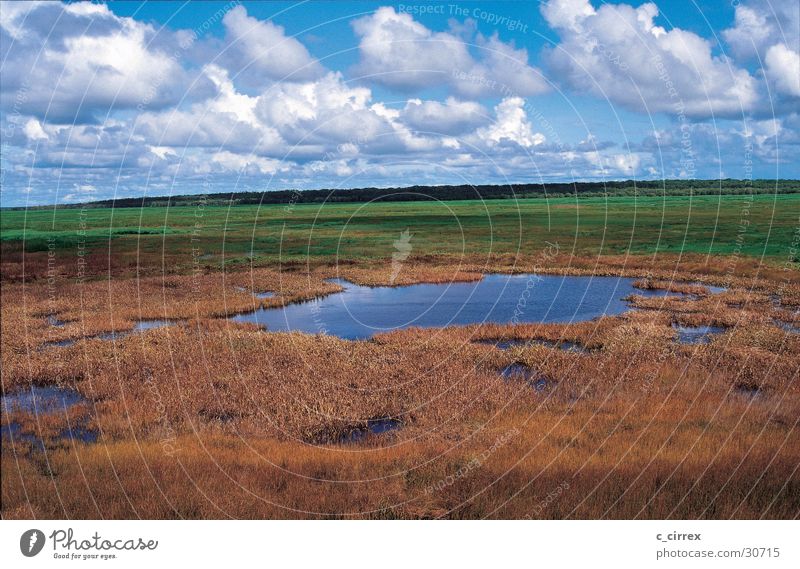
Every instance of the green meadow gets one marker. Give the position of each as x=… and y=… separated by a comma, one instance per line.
x=757, y=226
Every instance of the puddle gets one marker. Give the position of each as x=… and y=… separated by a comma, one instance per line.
x=516, y=370
x=787, y=326
x=696, y=334
x=657, y=292
x=504, y=344
x=522, y=372
x=540, y=384
x=713, y=289
x=13, y=432
x=508, y=344
x=53, y=320
x=660, y=293
x=79, y=434
x=374, y=427
x=46, y=400
x=138, y=328
x=57, y=344
x=747, y=389
x=143, y=325
x=360, y=312
x=572, y=347
x=265, y=294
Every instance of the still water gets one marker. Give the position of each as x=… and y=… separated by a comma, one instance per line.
x=360, y=312
x=43, y=401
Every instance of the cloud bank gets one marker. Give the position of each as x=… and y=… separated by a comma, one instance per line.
x=95, y=104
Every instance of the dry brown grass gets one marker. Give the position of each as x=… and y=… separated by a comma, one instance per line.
x=215, y=419
x=612, y=461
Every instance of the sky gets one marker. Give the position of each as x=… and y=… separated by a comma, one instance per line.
x=166, y=98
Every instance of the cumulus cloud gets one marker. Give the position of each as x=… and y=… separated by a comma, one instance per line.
x=767, y=33
x=259, y=51
x=717, y=150
x=248, y=163
x=79, y=61
x=783, y=69
x=226, y=119
x=304, y=120
x=511, y=125
x=399, y=52
x=618, y=52
x=326, y=110
x=94, y=104
x=760, y=24
x=567, y=14
x=13, y=16
x=34, y=131
x=449, y=117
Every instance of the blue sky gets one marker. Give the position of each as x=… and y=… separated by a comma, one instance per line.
x=161, y=98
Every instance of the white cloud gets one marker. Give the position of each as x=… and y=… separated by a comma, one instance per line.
x=248, y=163
x=261, y=51
x=783, y=69
x=449, y=117
x=87, y=9
x=14, y=14
x=34, y=131
x=326, y=110
x=627, y=163
x=79, y=61
x=124, y=81
x=760, y=24
x=618, y=52
x=227, y=119
x=503, y=71
x=767, y=33
x=228, y=100
x=567, y=14
x=511, y=125
x=399, y=52
x=109, y=67
x=163, y=151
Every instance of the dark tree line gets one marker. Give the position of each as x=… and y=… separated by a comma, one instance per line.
x=467, y=192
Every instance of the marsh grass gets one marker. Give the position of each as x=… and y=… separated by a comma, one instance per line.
x=213, y=419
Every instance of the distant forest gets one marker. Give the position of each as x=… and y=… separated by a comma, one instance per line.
x=630, y=188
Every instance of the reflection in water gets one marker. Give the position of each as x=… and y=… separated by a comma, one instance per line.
x=53, y=320
x=508, y=344
x=374, y=427
x=143, y=325
x=711, y=288
x=265, y=294
x=140, y=326
x=787, y=326
x=696, y=334
x=522, y=372
x=748, y=390
x=43, y=401
x=360, y=312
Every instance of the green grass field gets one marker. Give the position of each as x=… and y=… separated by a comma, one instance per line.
x=585, y=226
